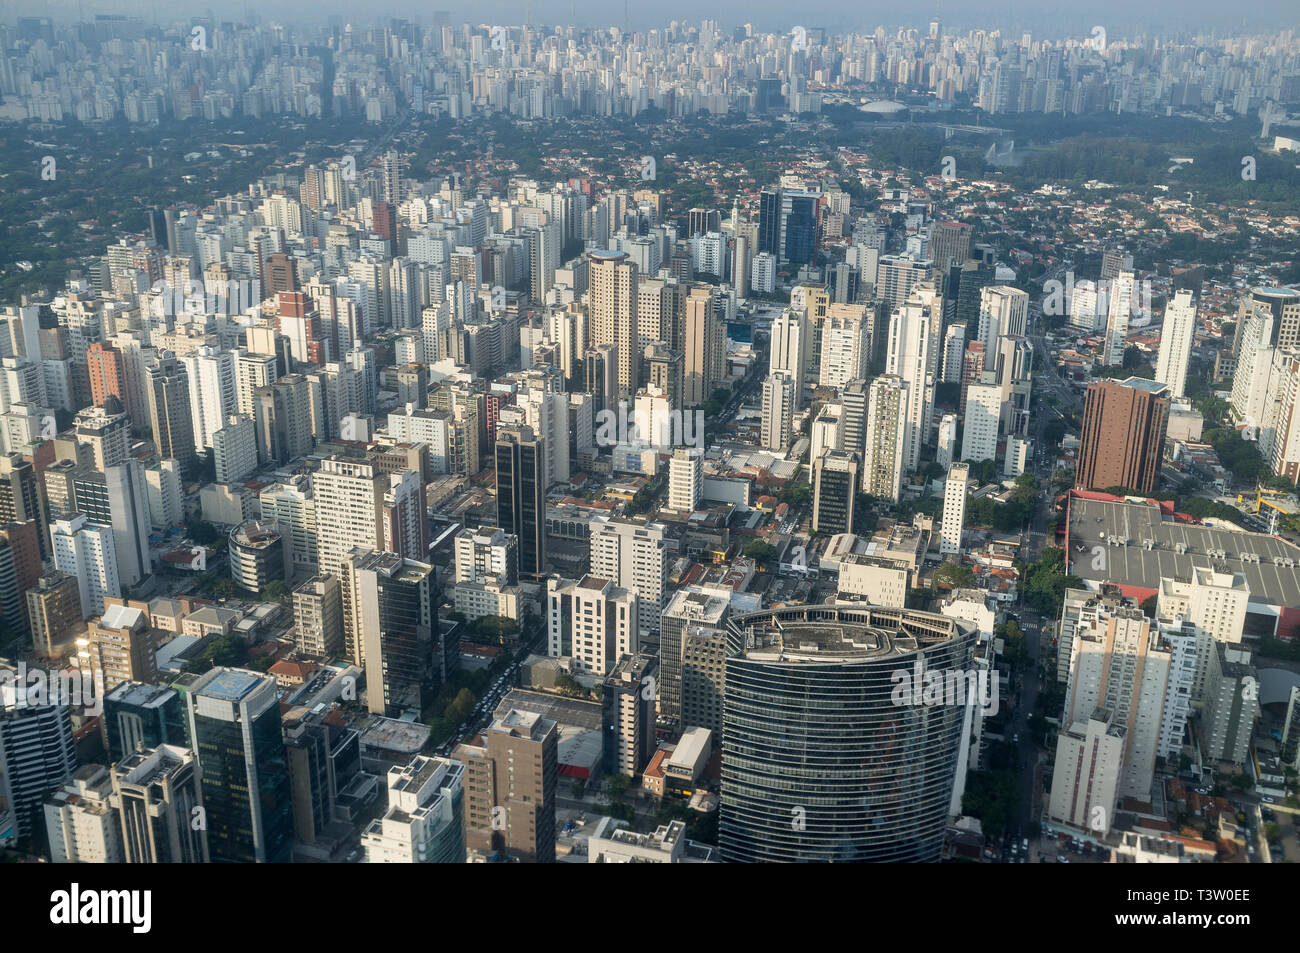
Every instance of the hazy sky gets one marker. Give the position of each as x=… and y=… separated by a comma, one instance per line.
x=1120, y=17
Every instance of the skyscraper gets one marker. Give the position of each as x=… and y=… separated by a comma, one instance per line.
x=685, y=480
x=612, y=304
x=628, y=704
x=788, y=351
x=779, y=396
x=511, y=770
x=1122, y=290
x=169, y=412
x=521, y=494
x=425, y=820
x=910, y=344
x=156, y=793
x=234, y=717
x=349, y=509
x=882, y=469
x=592, y=622
x=1176, y=339
x=835, y=482
x=36, y=752
x=823, y=757
x=395, y=631
x=1122, y=443
x=954, y=509
x=634, y=556
x=85, y=551
x=210, y=375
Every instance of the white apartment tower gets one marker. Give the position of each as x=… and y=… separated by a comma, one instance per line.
x=788, y=352
x=954, y=509
x=983, y=412
x=685, y=480
x=592, y=621
x=1120, y=308
x=487, y=552
x=909, y=358
x=211, y=373
x=86, y=550
x=779, y=396
x=633, y=556
x=1176, y=339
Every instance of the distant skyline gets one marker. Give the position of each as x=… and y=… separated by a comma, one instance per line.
x=1158, y=17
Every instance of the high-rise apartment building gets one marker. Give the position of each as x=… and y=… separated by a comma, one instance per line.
x=635, y=557
x=628, y=705
x=156, y=795
x=511, y=770
x=592, y=621
x=488, y=552
x=318, y=616
x=80, y=822
x=882, y=469
x=685, y=480
x=349, y=498
x=86, y=552
x=779, y=397
x=909, y=356
x=954, y=509
x=1123, y=437
x=612, y=313
x=1176, y=339
x=983, y=414
x=425, y=819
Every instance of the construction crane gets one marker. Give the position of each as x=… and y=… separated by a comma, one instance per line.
x=1260, y=501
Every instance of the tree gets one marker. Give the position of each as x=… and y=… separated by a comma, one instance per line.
x=759, y=550
x=276, y=591
x=202, y=532
x=461, y=707
x=496, y=628
x=954, y=576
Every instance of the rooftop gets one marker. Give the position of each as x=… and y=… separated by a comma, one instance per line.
x=1175, y=550
x=230, y=684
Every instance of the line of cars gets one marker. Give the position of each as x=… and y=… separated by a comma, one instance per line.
x=504, y=682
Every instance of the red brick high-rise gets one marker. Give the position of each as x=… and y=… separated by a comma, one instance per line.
x=107, y=373
x=1123, y=437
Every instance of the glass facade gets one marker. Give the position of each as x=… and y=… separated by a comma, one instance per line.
x=249, y=807
x=820, y=763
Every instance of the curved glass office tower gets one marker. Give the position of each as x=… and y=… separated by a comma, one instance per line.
x=827, y=752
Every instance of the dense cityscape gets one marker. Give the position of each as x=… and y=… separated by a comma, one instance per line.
x=439, y=442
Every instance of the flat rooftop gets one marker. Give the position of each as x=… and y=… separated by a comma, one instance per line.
x=573, y=712
x=835, y=633
x=231, y=685
x=1093, y=523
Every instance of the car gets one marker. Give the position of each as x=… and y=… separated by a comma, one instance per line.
x=1266, y=799
x=1016, y=738
x=1062, y=859
x=1024, y=844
